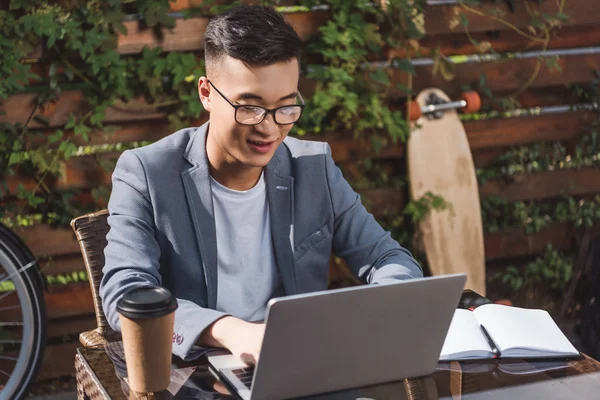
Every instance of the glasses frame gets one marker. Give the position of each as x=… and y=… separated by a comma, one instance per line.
x=268, y=111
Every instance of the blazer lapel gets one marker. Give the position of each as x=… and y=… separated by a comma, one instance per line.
x=196, y=181
x=280, y=194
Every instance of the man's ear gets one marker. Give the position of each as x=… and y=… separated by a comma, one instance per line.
x=204, y=93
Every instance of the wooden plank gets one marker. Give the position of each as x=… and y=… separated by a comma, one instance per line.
x=44, y=240
x=514, y=243
x=71, y=300
x=28, y=182
x=383, y=201
x=61, y=264
x=19, y=107
x=509, y=75
x=544, y=96
x=503, y=41
x=535, y=186
x=307, y=24
x=188, y=34
x=69, y=326
x=493, y=133
x=85, y=172
x=62, y=301
x=439, y=19
x=545, y=185
x=128, y=132
x=59, y=361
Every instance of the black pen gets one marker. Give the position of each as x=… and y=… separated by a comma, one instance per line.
x=490, y=342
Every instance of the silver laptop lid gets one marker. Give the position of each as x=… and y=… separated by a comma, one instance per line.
x=334, y=340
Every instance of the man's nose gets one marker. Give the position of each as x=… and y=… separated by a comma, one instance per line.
x=268, y=126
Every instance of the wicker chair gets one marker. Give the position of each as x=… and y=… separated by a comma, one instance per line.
x=91, y=230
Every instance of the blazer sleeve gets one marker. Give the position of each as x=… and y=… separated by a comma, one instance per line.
x=132, y=254
x=369, y=251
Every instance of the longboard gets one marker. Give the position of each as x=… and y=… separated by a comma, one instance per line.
x=440, y=162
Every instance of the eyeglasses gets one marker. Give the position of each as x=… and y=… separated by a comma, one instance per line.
x=254, y=115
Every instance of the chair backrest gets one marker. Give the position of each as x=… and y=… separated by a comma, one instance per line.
x=91, y=230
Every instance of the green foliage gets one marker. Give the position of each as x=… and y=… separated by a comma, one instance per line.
x=532, y=216
x=79, y=38
x=552, y=271
x=545, y=156
x=59, y=279
x=7, y=286
x=420, y=208
x=64, y=279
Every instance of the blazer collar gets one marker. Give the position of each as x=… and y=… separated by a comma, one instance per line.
x=280, y=194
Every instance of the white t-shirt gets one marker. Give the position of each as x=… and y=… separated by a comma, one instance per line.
x=245, y=257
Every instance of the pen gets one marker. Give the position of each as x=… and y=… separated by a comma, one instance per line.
x=490, y=342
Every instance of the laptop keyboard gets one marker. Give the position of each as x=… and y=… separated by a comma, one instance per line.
x=245, y=375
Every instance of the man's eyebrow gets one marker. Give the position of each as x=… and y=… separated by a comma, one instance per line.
x=252, y=96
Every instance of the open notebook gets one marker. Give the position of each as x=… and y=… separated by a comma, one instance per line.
x=494, y=330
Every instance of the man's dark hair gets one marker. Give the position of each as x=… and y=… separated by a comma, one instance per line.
x=256, y=35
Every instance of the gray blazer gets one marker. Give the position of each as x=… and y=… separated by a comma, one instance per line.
x=162, y=230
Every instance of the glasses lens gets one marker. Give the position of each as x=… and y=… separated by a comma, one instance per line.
x=288, y=115
x=249, y=115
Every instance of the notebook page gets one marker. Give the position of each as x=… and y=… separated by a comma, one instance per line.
x=464, y=338
x=532, y=331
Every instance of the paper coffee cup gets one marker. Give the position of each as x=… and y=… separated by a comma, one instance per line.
x=147, y=315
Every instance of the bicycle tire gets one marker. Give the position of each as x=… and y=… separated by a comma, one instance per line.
x=29, y=283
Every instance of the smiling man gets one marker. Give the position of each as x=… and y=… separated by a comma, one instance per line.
x=235, y=212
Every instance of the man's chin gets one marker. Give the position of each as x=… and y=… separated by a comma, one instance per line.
x=258, y=161
x=257, y=164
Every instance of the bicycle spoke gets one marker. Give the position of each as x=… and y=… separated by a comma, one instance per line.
x=4, y=372
x=11, y=324
x=25, y=267
x=8, y=358
x=8, y=308
x=10, y=341
x=6, y=294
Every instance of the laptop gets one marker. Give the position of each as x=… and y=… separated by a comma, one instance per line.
x=346, y=338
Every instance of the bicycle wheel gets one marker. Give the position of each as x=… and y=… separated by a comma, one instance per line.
x=22, y=317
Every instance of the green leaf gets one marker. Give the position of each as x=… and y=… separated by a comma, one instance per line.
x=70, y=122
x=404, y=65
x=83, y=131
x=380, y=76
x=97, y=118
x=56, y=136
x=35, y=201
x=15, y=158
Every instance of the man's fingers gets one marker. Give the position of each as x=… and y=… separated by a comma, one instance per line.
x=219, y=387
x=249, y=358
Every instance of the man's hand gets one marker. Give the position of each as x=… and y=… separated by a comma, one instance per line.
x=243, y=339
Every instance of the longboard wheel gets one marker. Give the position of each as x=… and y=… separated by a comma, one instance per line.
x=473, y=102
x=415, y=110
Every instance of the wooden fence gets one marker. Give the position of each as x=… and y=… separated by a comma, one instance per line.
x=70, y=308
